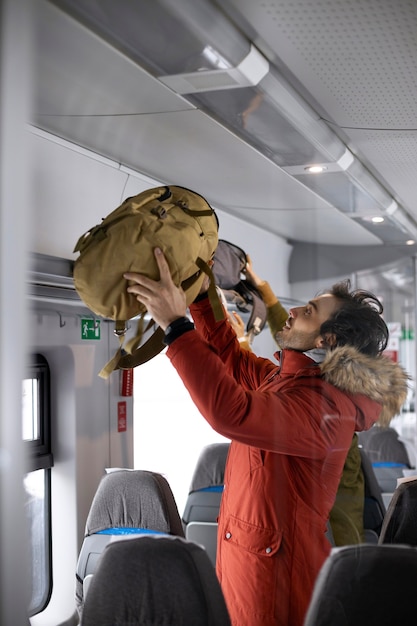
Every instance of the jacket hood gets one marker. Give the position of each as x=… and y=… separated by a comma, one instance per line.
x=378, y=378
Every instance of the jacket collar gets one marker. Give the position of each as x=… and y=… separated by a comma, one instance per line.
x=291, y=361
x=377, y=378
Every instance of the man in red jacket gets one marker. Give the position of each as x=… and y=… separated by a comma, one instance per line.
x=291, y=425
x=346, y=516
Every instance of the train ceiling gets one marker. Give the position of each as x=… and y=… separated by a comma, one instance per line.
x=237, y=99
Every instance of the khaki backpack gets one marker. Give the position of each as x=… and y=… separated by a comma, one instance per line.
x=182, y=224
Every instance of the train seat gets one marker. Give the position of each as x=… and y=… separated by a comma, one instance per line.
x=155, y=579
x=387, y=475
x=400, y=522
x=365, y=584
x=388, y=454
x=203, y=502
x=384, y=445
x=126, y=503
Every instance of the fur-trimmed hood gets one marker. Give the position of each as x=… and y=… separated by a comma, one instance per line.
x=378, y=378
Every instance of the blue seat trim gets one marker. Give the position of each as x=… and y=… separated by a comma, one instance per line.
x=129, y=531
x=215, y=488
x=388, y=464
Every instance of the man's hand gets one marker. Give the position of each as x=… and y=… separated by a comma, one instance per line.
x=164, y=301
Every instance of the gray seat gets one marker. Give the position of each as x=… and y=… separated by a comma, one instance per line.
x=387, y=453
x=387, y=475
x=205, y=534
x=363, y=585
x=203, y=501
x=126, y=503
x=155, y=580
x=400, y=522
x=384, y=445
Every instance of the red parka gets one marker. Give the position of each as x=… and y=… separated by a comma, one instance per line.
x=290, y=429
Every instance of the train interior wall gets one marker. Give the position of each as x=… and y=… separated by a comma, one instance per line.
x=72, y=190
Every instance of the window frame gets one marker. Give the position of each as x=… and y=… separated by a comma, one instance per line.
x=39, y=450
x=39, y=457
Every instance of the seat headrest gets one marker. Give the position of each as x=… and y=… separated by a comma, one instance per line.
x=209, y=470
x=134, y=499
x=400, y=521
x=365, y=584
x=155, y=580
x=384, y=445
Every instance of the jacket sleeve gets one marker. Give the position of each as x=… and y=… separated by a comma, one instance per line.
x=246, y=368
x=223, y=382
x=277, y=314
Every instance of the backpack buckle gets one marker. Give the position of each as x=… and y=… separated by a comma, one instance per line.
x=120, y=328
x=160, y=212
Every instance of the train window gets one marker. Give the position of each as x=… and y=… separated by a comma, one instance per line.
x=37, y=482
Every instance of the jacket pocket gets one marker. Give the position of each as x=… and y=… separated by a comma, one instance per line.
x=260, y=541
x=248, y=574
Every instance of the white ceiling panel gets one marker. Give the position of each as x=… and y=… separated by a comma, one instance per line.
x=78, y=74
x=394, y=155
x=93, y=191
x=191, y=148
x=230, y=174
x=356, y=57
x=352, y=62
x=94, y=96
x=324, y=226
x=356, y=62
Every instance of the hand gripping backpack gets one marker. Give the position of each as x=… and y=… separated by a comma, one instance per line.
x=228, y=270
x=182, y=224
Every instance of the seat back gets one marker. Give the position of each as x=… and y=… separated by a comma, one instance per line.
x=127, y=502
x=365, y=584
x=374, y=507
x=162, y=580
x=387, y=453
x=203, y=505
x=387, y=474
x=384, y=445
x=205, y=534
x=400, y=522
x=203, y=501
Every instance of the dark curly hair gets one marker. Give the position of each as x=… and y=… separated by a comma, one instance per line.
x=358, y=321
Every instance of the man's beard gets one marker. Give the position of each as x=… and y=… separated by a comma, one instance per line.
x=296, y=340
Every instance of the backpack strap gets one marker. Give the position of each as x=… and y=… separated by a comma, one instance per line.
x=132, y=355
x=216, y=305
x=119, y=331
x=153, y=346
x=258, y=315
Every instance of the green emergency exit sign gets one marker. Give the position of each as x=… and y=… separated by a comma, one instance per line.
x=90, y=329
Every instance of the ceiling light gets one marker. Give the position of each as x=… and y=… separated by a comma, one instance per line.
x=315, y=169
x=215, y=59
x=250, y=71
x=410, y=242
x=377, y=219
